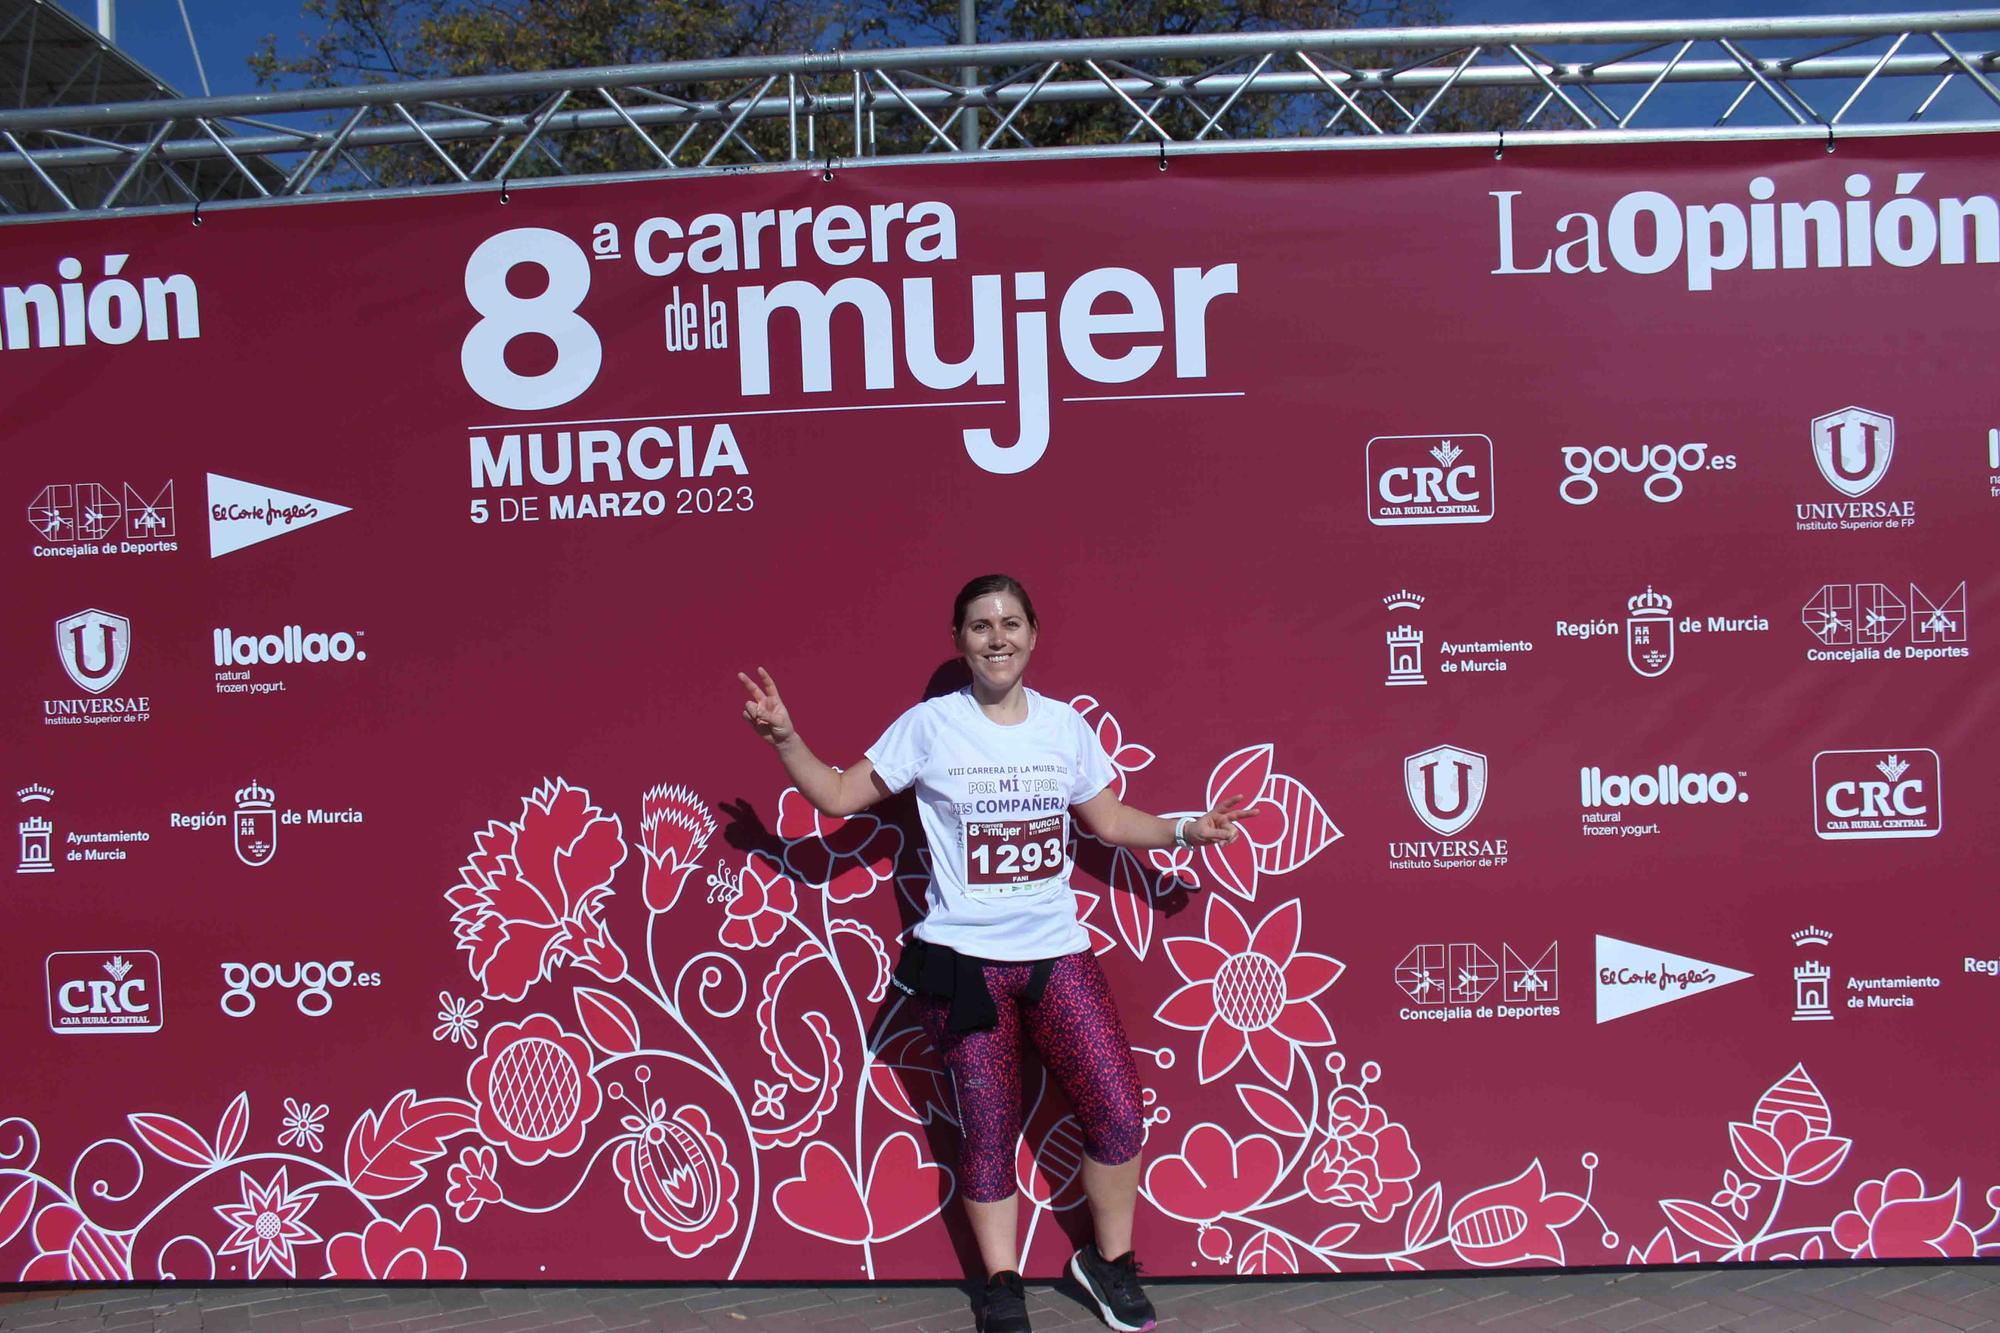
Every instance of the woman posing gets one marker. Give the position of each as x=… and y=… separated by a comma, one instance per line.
x=998, y=769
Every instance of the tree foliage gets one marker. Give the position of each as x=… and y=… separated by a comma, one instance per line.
x=348, y=42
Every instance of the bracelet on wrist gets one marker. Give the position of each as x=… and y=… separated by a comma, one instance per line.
x=1180, y=830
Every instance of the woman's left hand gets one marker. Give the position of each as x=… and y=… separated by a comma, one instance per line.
x=1218, y=826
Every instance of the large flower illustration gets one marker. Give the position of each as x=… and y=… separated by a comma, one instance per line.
x=756, y=914
x=849, y=856
x=69, y=1249
x=531, y=894
x=677, y=1177
x=409, y=1251
x=1365, y=1162
x=1893, y=1218
x=534, y=1089
x=1248, y=991
x=267, y=1224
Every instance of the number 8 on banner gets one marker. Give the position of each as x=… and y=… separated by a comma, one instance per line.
x=552, y=314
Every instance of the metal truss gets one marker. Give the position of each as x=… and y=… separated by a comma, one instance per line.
x=1339, y=89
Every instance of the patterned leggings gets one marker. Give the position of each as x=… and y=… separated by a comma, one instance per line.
x=1075, y=1028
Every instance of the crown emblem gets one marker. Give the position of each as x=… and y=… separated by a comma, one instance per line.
x=1404, y=600
x=117, y=967
x=1650, y=603
x=255, y=796
x=35, y=792
x=1812, y=935
x=1892, y=768
x=1446, y=453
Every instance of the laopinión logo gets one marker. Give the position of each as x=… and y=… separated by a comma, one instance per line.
x=313, y=984
x=84, y=518
x=1852, y=449
x=1868, y=622
x=1607, y=798
x=94, y=648
x=1446, y=787
x=1660, y=464
x=104, y=990
x=239, y=655
x=243, y=513
x=1429, y=479
x=1450, y=982
x=1895, y=793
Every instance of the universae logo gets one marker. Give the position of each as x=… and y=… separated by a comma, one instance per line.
x=1429, y=479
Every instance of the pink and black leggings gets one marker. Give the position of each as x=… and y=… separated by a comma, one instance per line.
x=1075, y=1028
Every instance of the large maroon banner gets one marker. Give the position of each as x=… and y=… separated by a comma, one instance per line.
x=1582, y=558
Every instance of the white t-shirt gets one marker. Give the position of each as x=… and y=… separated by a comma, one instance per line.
x=995, y=806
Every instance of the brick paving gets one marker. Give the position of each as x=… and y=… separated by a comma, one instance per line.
x=1735, y=1300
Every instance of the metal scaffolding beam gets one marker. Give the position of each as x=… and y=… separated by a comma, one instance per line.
x=1833, y=77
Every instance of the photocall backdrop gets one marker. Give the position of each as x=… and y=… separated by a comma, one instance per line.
x=1582, y=560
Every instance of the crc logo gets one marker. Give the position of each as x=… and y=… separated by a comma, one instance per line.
x=1877, y=794
x=104, y=991
x=94, y=647
x=1853, y=447
x=1661, y=464
x=314, y=982
x=88, y=512
x=1446, y=786
x=1416, y=479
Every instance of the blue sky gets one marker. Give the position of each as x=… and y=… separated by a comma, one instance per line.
x=228, y=30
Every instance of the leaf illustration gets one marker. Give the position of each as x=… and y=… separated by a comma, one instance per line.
x=1702, y=1223
x=1303, y=831
x=173, y=1139
x=1267, y=1252
x=1241, y=775
x=1336, y=1235
x=906, y=1077
x=1815, y=1161
x=14, y=1211
x=1131, y=903
x=386, y=1151
x=1396, y=1263
x=1271, y=1111
x=1423, y=1218
x=607, y=1020
x=234, y=1125
x=1760, y=1154
x=1052, y=1173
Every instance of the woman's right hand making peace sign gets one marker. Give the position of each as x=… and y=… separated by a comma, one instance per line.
x=764, y=710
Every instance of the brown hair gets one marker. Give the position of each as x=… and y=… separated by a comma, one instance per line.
x=985, y=586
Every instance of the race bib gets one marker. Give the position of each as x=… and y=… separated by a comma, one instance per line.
x=1013, y=855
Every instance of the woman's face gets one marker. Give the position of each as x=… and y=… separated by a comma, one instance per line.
x=996, y=640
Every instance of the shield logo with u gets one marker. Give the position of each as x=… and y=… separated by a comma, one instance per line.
x=1853, y=447
x=1446, y=786
x=94, y=647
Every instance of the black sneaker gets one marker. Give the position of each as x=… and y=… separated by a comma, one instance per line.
x=1006, y=1307
x=1114, y=1285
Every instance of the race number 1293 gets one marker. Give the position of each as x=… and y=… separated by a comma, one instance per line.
x=1016, y=853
